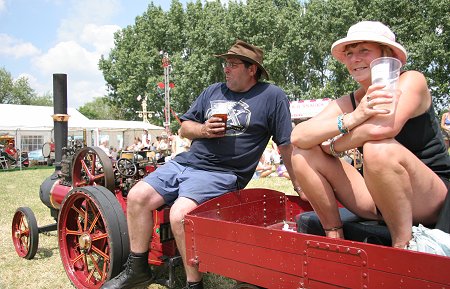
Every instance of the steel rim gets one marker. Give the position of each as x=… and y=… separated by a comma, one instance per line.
x=91, y=166
x=91, y=252
x=25, y=233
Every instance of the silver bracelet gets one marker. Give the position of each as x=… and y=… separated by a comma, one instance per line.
x=333, y=152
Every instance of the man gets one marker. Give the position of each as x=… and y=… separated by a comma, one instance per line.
x=104, y=146
x=222, y=157
x=146, y=140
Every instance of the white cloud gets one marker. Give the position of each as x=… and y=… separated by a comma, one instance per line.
x=85, y=80
x=101, y=37
x=10, y=46
x=84, y=12
x=2, y=5
x=67, y=56
x=82, y=39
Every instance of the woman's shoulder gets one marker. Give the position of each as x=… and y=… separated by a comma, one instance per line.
x=412, y=75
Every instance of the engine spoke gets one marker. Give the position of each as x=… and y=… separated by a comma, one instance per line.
x=94, y=222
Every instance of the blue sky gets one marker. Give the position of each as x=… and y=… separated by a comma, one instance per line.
x=42, y=37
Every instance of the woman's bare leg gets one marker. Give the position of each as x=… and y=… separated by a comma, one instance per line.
x=404, y=189
x=324, y=180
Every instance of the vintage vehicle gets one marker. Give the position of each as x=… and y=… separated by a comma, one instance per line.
x=86, y=196
x=262, y=238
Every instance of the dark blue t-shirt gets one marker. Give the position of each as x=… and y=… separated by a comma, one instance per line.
x=253, y=117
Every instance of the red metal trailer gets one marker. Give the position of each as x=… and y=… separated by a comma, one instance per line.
x=240, y=235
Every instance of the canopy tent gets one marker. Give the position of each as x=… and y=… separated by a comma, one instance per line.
x=15, y=117
x=120, y=125
x=19, y=120
x=127, y=129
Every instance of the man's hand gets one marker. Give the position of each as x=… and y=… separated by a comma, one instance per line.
x=213, y=128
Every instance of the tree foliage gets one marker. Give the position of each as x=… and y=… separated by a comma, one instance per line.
x=100, y=108
x=295, y=35
x=19, y=91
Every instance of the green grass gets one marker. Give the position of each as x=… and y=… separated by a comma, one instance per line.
x=19, y=188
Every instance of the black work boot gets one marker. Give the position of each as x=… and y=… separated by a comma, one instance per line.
x=137, y=274
x=194, y=285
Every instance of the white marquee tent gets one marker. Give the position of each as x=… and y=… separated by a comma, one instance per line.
x=35, y=123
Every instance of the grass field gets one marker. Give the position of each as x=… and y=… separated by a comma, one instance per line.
x=21, y=188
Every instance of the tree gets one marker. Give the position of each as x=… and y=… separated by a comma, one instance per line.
x=100, y=108
x=296, y=37
x=14, y=92
x=19, y=91
x=43, y=100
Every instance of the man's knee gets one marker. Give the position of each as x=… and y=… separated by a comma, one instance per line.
x=142, y=195
x=179, y=210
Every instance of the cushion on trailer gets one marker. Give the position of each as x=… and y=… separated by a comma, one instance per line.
x=355, y=228
x=358, y=229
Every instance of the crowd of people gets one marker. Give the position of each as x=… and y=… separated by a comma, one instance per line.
x=271, y=164
x=162, y=149
x=396, y=177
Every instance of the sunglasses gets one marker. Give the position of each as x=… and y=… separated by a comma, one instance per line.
x=231, y=64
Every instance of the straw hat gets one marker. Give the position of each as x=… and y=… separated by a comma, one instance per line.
x=246, y=52
x=372, y=31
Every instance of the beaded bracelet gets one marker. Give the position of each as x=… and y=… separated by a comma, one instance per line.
x=341, y=125
x=333, y=152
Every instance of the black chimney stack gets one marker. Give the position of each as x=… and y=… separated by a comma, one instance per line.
x=60, y=117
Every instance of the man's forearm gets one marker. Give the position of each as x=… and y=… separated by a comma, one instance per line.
x=192, y=130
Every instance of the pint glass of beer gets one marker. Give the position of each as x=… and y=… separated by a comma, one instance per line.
x=219, y=108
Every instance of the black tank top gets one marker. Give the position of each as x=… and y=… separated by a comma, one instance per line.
x=422, y=136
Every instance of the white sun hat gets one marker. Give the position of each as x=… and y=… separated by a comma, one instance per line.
x=371, y=31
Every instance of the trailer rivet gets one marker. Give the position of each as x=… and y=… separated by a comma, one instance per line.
x=305, y=274
x=364, y=263
x=364, y=275
x=305, y=262
x=365, y=286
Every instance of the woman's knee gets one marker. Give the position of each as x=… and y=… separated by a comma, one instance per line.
x=379, y=154
x=303, y=156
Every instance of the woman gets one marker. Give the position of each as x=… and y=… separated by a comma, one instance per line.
x=406, y=168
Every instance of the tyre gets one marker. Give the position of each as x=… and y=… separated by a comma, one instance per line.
x=25, y=233
x=92, y=235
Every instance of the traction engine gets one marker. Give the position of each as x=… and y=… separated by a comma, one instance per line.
x=87, y=196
